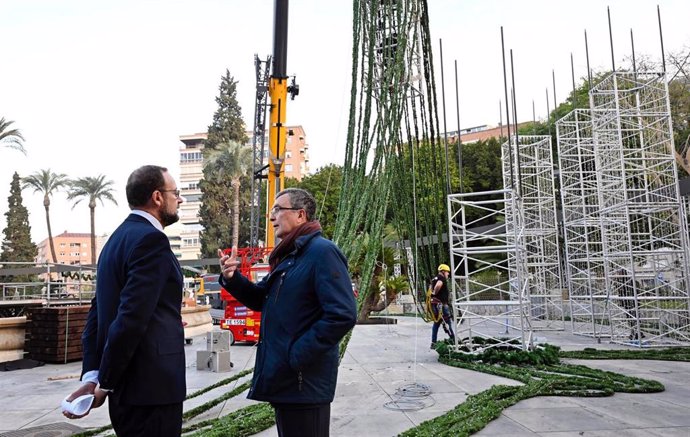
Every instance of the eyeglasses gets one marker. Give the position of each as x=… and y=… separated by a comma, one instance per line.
x=175, y=192
x=277, y=208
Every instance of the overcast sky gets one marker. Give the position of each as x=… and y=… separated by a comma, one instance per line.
x=102, y=87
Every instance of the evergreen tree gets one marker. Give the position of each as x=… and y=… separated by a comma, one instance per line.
x=17, y=244
x=228, y=124
x=216, y=187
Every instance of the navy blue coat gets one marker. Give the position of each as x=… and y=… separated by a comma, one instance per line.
x=307, y=305
x=133, y=334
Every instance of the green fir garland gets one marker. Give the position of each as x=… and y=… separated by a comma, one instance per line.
x=541, y=373
x=670, y=354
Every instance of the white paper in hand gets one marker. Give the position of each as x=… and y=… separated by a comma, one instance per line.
x=78, y=406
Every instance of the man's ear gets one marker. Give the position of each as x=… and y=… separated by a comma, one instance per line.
x=157, y=198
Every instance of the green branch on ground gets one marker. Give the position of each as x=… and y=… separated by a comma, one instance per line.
x=670, y=354
x=246, y=421
x=541, y=374
x=250, y=420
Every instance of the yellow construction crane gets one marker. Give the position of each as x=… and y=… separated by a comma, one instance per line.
x=278, y=90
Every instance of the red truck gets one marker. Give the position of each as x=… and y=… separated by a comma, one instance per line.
x=243, y=323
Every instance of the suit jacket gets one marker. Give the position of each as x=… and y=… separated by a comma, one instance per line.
x=133, y=334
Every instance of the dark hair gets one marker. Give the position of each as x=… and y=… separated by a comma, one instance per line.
x=143, y=182
x=302, y=199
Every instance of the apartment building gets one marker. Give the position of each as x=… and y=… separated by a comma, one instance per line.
x=184, y=235
x=296, y=153
x=70, y=248
x=481, y=133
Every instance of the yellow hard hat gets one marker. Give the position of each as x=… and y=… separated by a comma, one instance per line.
x=444, y=268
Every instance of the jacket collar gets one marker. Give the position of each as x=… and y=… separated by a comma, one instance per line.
x=300, y=243
x=303, y=240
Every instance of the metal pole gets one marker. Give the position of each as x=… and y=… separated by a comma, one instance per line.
x=553, y=78
x=572, y=73
x=632, y=44
x=661, y=38
x=613, y=62
x=548, y=111
x=457, y=112
x=445, y=130
x=517, y=139
x=505, y=88
x=589, y=71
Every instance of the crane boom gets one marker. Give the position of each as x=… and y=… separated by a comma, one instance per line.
x=277, y=90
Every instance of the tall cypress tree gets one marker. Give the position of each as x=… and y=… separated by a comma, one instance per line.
x=216, y=194
x=17, y=244
x=227, y=124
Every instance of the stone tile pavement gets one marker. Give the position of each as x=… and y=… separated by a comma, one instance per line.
x=380, y=361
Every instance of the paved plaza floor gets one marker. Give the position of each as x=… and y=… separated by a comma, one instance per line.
x=380, y=377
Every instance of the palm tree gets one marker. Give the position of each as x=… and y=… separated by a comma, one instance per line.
x=233, y=160
x=11, y=138
x=46, y=182
x=93, y=188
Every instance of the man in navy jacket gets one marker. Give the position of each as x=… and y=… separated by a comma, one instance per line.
x=307, y=305
x=133, y=340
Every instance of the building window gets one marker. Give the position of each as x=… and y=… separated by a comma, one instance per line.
x=187, y=157
x=288, y=167
x=190, y=242
x=192, y=198
x=74, y=245
x=288, y=155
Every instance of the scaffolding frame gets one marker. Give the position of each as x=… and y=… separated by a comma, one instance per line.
x=533, y=157
x=584, y=257
x=489, y=286
x=643, y=221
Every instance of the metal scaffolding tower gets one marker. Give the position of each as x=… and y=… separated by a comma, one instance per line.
x=644, y=227
x=538, y=204
x=259, y=145
x=488, y=279
x=584, y=258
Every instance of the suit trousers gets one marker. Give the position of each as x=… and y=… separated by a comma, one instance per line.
x=145, y=420
x=303, y=420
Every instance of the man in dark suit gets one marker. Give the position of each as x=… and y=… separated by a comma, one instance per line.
x=133, y=340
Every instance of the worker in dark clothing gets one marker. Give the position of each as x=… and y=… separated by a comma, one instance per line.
x=626, y=296
x=439, y=304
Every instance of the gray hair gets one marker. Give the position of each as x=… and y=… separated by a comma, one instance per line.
x=302, y=199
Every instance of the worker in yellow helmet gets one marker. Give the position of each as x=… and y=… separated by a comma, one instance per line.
x=439, y=304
